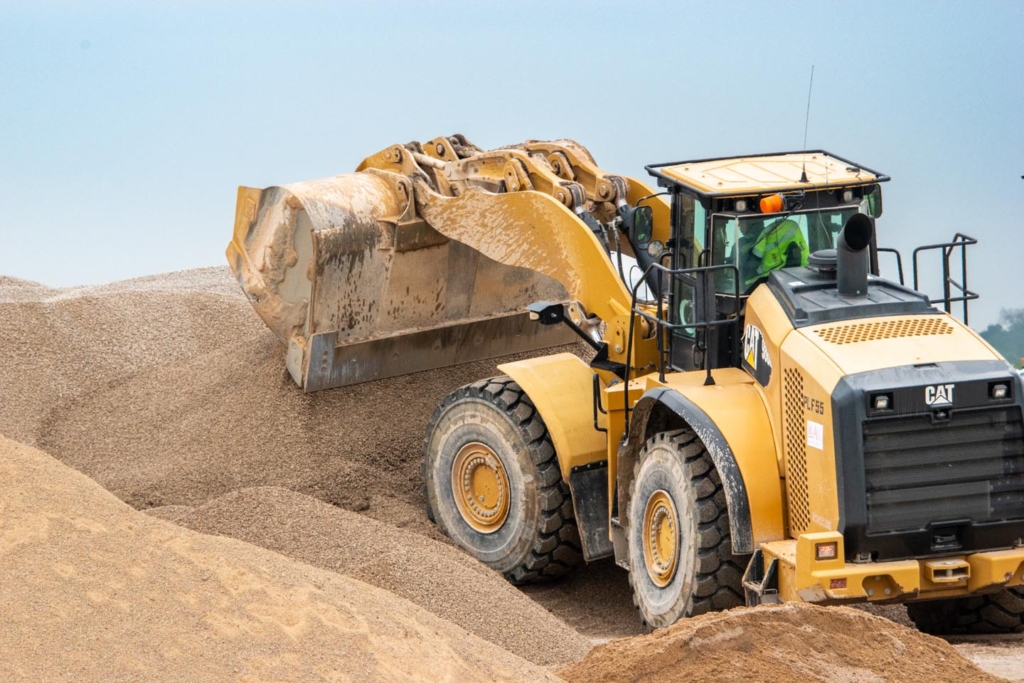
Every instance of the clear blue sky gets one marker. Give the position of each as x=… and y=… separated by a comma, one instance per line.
x=125, y=127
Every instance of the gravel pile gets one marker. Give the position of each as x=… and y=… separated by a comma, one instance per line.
x=169, y=390
x=61, y=345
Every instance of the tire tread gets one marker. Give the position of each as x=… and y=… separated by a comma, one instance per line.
x=557, y=548
x=718, y=580
x=1000, y=612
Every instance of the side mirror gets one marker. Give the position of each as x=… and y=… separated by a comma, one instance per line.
x=640, y=227
x=874, y=200
x=643, y=225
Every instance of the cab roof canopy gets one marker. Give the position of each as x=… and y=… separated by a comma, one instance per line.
x=764, y=173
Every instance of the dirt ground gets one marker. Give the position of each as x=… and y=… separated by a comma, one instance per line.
x=169, y=393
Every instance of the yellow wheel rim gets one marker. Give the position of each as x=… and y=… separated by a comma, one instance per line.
x=661, y=538
x=480, y=488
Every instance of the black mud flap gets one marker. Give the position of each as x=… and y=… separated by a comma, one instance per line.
x=589, y=486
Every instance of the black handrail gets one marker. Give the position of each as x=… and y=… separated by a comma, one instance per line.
x=597, y=404
x=703, y=287
x=961, y=242
x=899, y=260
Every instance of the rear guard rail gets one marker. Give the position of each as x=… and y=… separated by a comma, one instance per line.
x=949, y=285
x=961, y=242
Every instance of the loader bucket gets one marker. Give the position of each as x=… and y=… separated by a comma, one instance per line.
x=360, y=288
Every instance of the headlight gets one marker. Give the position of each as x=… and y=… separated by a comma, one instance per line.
x=881, y=401
x=999, y=392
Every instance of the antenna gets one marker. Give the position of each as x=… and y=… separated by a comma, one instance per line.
x=807, y=120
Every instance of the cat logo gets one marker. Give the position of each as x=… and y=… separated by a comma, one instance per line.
x=939, y=395
x=756, y=359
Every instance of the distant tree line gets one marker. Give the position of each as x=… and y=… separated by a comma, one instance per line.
x=1008, y=335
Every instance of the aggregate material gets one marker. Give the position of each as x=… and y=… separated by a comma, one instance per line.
x=168, y=390
x=170, y=393
x=438, y=577
x=792, y=642
x=93, y=590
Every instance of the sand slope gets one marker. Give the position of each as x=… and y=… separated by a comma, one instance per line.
x=95, y=591
x=436, y=576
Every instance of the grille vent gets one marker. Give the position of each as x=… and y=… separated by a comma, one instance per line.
x=917, y=473
x=796, y=452
x=919, y=326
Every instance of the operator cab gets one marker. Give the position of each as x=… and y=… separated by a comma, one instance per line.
x=744, y=218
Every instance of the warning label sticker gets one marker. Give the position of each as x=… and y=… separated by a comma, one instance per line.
x=816, y=435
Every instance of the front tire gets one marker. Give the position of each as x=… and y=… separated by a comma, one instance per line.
x=680, y=550
x=1001, y=612
x=493, y=483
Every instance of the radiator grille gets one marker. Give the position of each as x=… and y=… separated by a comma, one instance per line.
x=918, y=326
x=917, y=472
x=796, y=452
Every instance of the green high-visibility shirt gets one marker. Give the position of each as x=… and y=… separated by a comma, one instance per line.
x=773, y=247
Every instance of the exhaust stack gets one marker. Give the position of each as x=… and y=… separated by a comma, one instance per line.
x=853, y=259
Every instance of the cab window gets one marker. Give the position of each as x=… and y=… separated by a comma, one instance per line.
x=758, y=244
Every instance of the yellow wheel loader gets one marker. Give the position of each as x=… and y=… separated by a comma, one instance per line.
x=764, y=418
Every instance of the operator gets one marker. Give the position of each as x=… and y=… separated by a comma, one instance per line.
x=778, y=244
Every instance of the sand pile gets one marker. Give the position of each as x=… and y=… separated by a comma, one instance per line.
x=436, y=576
x=168, y=390
x=793, y=642
x=94, y=591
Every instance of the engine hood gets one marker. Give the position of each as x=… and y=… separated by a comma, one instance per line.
x=863, y=345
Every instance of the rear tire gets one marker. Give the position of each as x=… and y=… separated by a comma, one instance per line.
x=486, y=438
x=1001, y=612
x=680, y=550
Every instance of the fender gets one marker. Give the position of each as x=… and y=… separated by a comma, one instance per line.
x=561, y=388
x=732, y=421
